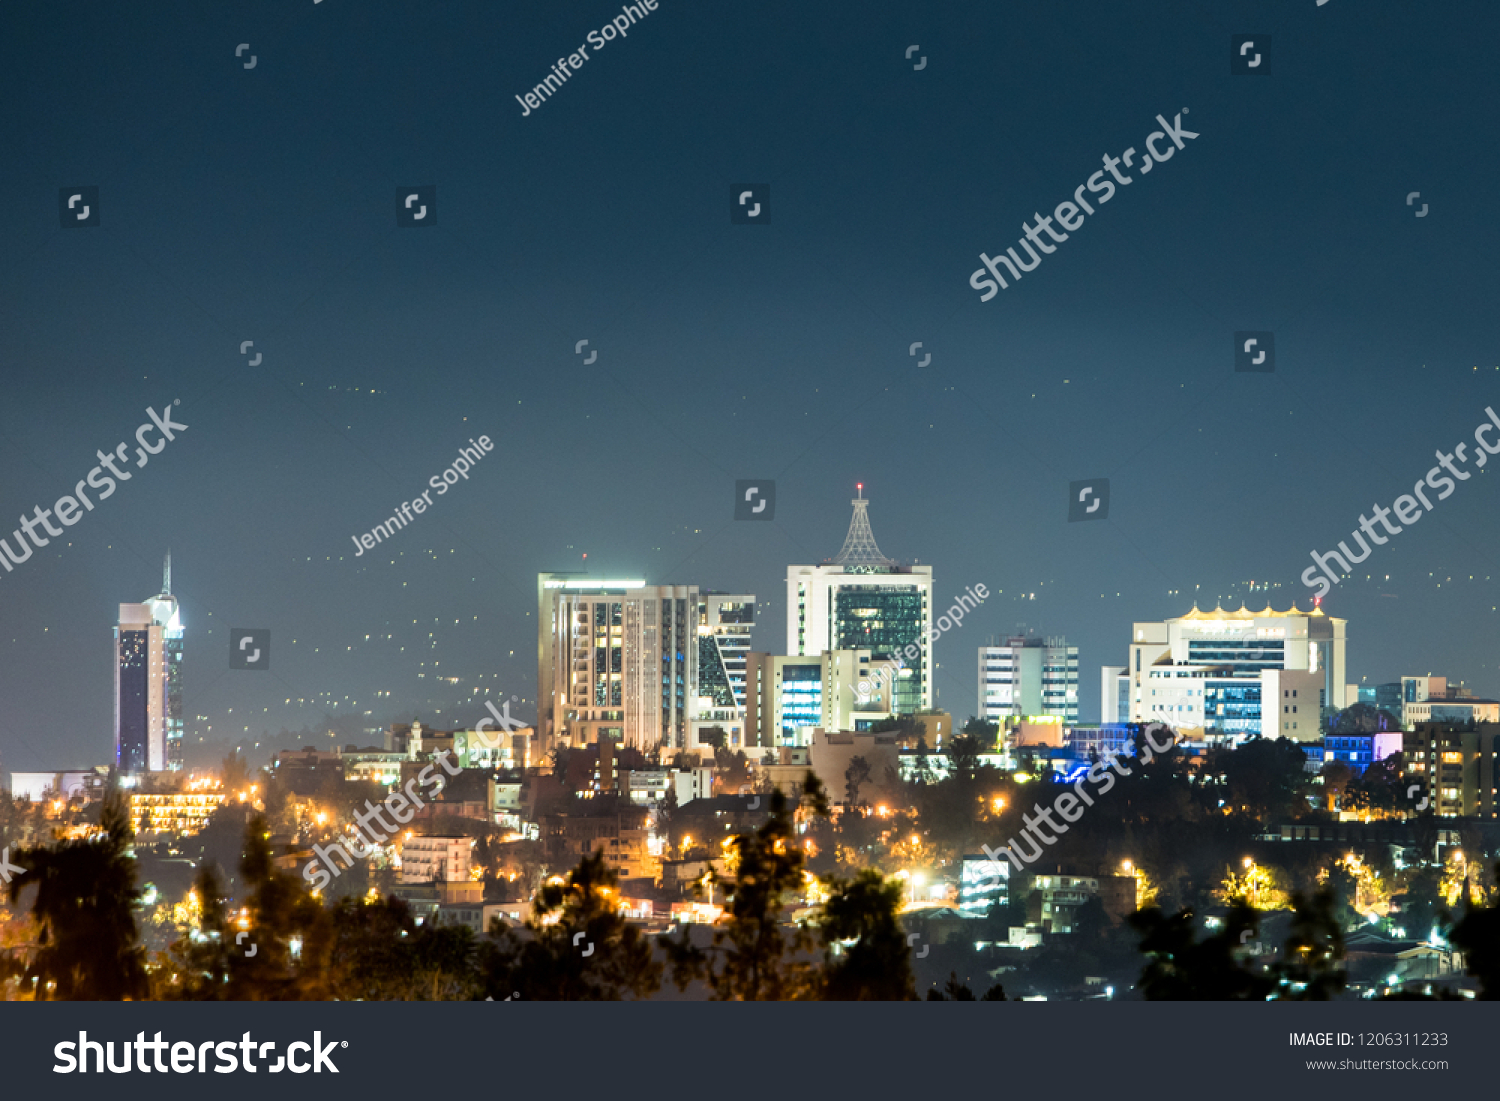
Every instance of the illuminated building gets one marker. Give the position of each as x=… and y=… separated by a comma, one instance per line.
x=148, y=683
x=1234, y=673
x=175, y=812
x=724, y=624
x=436, y=859
x=1453, y=768
x=1028, y=676
x=617, y=659
x=785, y=697
x=982, y=882
x=861, y=600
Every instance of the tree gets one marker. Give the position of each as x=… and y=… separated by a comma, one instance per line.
x=234, y=773
x=1310, y=968
x=876, y=966
x=734, y=770
x=856, y=774
x=202, y=956
x=985, y=734
x=283, y=955
x=579, y=948
x=1182, y=968
x=715, y=736
x=751, y=958
x=88, y=946
x=1477, y=935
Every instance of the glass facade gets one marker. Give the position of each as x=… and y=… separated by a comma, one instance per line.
x=1241, y=655
x=884, y=620
x=801, y=699
x=1232, y=706
x=135, y=729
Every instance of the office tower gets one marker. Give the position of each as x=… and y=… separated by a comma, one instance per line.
x=616, y=659
x=786, y=697
x=861, y=600
x=148, y=682
x=1237, y=673
x=1028, y=676
x=724, y=624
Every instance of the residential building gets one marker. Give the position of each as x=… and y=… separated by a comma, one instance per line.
x=306, y=771
x=861, y=600
x=176, y=813
x=1236, y=674
x=436, y=859
x=381, y=766
x=1028, y=675
x=1453, y=768
x=982, y=882
x=1053, y=899
x=148, y=683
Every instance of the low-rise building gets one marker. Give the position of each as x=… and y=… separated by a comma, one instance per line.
x=436, y=859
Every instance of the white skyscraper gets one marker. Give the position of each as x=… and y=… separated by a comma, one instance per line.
x=861, y=600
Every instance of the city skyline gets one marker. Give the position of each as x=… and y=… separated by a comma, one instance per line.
x=329, y=360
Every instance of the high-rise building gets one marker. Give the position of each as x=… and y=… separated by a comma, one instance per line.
x=618, y=659
x=861, y=600
x=1028, y=676
x=1235, y=673
x=724, y=624
x=148, y=682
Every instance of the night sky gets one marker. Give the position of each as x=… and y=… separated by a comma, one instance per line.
x=261, y=204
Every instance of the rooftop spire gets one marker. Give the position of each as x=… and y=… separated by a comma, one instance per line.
x=166, y=573
x=859, y=544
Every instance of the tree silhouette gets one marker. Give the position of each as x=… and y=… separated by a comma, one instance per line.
x=283, y=954
x=751, y=958
x=88, y=946
x=877, y=965
x=1477, y=935
x=1182, y=968
x=578, y=949
x=855, y=775
x=1310, y=968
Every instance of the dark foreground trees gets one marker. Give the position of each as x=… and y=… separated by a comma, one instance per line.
x=88, y=945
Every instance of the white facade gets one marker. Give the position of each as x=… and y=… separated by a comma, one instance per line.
x=1028, y=676
x=616, y=659
x=861, y=600
x=1240, y=673
x=436, y=859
